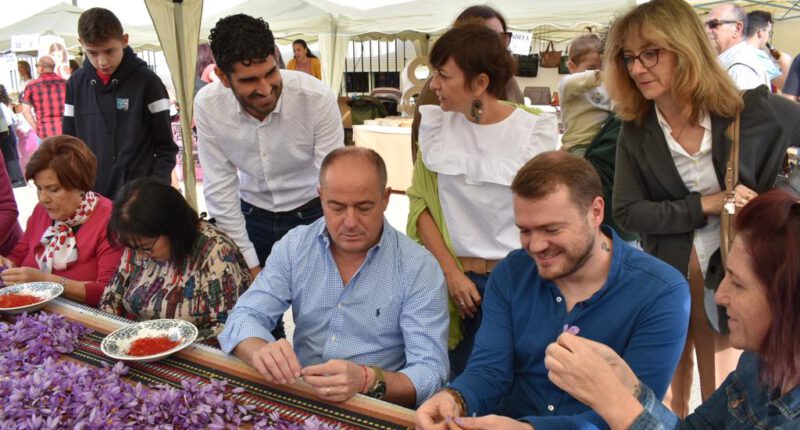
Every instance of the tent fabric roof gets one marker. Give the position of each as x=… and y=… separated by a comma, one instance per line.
x=62, y=20
x=293, y=17
x=410, y=20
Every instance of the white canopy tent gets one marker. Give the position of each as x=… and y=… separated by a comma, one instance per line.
x=333, y=22
x=62, y=20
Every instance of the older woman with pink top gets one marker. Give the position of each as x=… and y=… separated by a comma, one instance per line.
x=65, y=238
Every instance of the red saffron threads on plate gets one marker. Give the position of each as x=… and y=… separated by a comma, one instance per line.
x=15, y=300
x=151, y=345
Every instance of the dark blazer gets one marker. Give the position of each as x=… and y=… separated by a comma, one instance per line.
x=650, y=197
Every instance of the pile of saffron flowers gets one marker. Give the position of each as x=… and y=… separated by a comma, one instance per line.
x=39, y=392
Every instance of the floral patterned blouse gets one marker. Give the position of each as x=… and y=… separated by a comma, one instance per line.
x=202, y=291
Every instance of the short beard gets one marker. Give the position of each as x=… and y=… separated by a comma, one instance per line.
x=579, y=263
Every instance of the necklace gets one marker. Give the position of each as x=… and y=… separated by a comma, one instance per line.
x=680, y=133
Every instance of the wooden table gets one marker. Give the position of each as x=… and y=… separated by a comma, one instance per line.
x=296, y=396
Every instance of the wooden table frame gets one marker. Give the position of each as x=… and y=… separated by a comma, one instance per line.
x=216, y=359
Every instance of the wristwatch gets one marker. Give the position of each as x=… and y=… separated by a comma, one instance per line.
x=378, y=390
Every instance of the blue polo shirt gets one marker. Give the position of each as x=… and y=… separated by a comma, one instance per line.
x=642, y=312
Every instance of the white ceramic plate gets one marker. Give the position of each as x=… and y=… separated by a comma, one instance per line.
x=44, y=290
x=117, y=344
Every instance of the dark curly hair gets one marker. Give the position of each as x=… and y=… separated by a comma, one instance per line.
x=242, y=38
x=476, y=49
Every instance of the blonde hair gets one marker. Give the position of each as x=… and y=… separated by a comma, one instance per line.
x=699, y=83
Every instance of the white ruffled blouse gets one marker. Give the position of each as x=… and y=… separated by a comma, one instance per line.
x=475, y=164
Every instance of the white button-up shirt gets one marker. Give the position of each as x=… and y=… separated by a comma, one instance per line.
x=743, y=65
x=272, y=164
x=699, y=176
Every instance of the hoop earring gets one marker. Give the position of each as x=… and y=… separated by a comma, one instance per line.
x=476, y=110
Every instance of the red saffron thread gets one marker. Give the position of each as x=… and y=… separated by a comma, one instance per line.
x=151, y=345
x=14, y=300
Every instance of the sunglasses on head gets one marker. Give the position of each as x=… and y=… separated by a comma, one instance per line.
x=714, y=23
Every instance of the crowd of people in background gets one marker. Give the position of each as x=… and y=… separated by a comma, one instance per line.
x=534, y=287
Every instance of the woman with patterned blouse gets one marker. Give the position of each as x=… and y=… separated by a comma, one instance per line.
x=175, y=265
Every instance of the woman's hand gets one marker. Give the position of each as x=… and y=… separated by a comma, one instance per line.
x=712, y=204
x=5, y=262
x=18, y=275
x=742, y=195
x=588, y=370
x=464, y=293
x=597, y=376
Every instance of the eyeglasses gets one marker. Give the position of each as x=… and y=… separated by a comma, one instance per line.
x=146, y=249
x=648, y=58
x=714, y=23
x=506, y=36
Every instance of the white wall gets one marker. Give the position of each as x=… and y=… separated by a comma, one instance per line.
x=785, y=36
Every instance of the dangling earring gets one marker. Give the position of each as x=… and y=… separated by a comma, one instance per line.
x=476, y=111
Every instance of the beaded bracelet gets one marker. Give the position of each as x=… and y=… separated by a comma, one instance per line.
x=459, y=399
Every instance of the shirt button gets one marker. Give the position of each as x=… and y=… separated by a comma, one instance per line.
x=551, y=408
x=558, y=299
x=339, y=306
x=333, y=338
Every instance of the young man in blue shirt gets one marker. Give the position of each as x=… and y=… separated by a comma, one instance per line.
x=572, y=274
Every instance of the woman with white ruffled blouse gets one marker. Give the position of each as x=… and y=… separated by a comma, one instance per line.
x=471, y=146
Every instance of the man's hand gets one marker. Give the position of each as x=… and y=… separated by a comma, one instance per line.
x=336, y=380
x=276, y=361
x=437, y=413
x=18, y=275
x=491, y=422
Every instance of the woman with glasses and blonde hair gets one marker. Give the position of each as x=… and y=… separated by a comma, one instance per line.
x=676, y=102
x=175, y=265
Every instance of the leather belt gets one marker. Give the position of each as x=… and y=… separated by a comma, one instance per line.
x=478, y=266
x=308, y=205
x=304, y=207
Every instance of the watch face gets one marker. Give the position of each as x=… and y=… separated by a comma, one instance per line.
x=379, y=391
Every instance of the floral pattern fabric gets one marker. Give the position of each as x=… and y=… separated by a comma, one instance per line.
x=202, y=291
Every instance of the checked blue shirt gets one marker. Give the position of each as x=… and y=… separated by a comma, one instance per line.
x=392, y=314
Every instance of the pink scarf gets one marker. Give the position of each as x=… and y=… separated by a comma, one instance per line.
x=60, y=246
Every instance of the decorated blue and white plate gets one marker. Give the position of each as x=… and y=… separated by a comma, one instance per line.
x=118, y=344
x=46, y=291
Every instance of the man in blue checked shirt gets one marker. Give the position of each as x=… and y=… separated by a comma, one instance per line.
x=369, y=304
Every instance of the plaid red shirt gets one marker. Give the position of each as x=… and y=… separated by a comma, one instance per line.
x=46, y=94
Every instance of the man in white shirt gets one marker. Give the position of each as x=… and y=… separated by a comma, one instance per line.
x=262, y=134
x=758, y=34
x=725, y=25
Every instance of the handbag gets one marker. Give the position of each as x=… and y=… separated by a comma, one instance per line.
x=527, y=65
x=550, y=57
x=731, y=180
x=788, y=179
x=716, y=314
x=563, y=69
